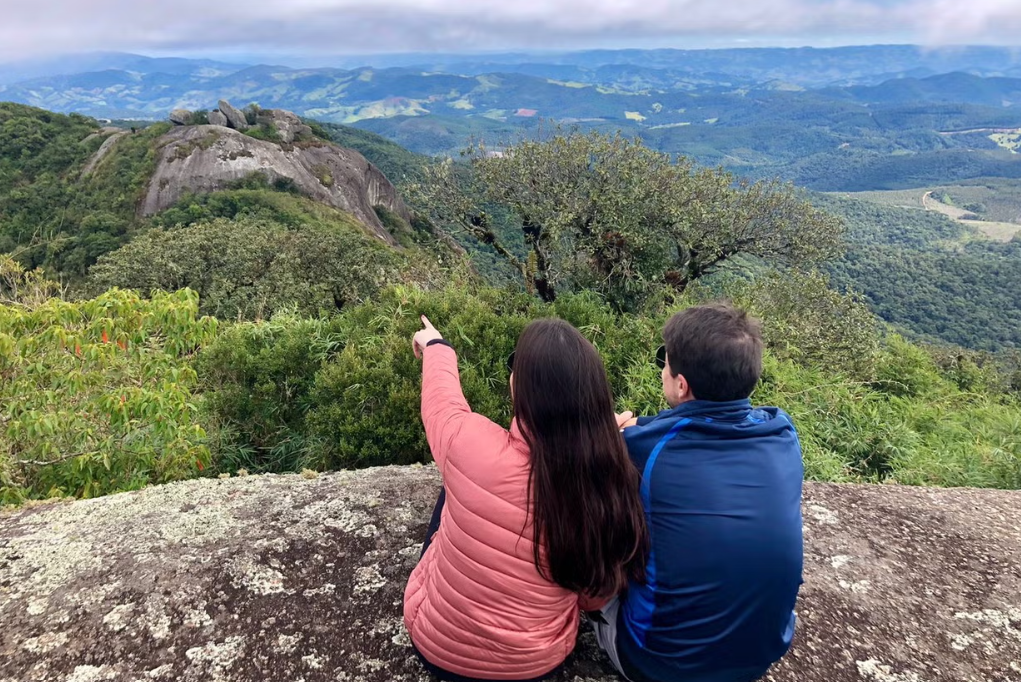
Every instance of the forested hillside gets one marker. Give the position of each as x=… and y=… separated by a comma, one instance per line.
x=920, y=271
x=251, y=328
x=930, y=275
x=53, y=212
x=71, y=192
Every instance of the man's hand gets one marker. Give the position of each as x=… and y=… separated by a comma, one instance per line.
x=626, y=419
x=424, y=336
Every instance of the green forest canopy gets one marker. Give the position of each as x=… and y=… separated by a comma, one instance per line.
x=919, y=271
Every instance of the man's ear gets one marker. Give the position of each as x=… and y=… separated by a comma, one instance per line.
x=683, y=387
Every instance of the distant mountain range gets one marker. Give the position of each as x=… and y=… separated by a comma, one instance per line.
x=596, y=84
x=616, y=93
x=805, y=66
x=856, y=117
x=945, y=88
x=111, y=61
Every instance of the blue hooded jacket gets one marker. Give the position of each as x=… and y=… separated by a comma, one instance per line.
x=721, y=485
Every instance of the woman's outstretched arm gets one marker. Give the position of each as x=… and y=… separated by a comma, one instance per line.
x=444, y=408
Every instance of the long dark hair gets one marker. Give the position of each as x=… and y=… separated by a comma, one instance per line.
x=586, y=507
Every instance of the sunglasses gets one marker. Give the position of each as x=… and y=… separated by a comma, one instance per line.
x=510, y=362
x=661, y=357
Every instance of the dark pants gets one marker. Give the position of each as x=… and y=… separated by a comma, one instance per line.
x=440, y=673
x=434, y=522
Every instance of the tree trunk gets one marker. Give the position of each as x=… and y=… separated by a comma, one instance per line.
x=545, y=290
x=691, y=267
x=541, y=280
x=478, y=226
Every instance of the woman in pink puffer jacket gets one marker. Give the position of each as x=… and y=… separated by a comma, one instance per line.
x=533, y=524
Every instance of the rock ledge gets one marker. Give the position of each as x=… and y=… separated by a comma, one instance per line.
x=288, y=578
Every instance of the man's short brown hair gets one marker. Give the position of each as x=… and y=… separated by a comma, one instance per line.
x=718, y=350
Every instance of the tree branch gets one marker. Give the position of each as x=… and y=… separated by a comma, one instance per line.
x=119, y=442
x=25, y=462
x=476, y=226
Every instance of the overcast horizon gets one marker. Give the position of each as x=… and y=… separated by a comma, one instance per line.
x=307, y=60
x=301, y=30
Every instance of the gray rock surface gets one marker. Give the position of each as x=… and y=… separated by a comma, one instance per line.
x=207, y=158
x=288, y=578
x=180, y=117
x=104, y=149
x=287, y=124
x=216, y=118
x=235, y=117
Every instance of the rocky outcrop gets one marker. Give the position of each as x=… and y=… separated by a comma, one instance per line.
x=294, y=578
x=235, y=117
x=181, y=117
x=104, y=149
x=208, y=158
x=287, y=124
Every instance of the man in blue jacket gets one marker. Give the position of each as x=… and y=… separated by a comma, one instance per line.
x=721, y=484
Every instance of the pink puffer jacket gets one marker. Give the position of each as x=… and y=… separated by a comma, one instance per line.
x=476, y=605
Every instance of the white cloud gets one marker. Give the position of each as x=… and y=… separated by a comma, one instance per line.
x=952, y=21
x=339, y=26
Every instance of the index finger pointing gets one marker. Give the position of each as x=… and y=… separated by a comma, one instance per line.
x=427, y=323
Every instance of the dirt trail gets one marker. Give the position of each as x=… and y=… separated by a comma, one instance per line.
x=1003, y=232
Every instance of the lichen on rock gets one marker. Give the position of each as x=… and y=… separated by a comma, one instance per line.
x=294, y=578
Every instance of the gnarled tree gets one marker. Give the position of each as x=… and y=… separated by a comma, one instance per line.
x=606, y=212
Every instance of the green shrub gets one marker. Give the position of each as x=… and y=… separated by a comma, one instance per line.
x=257, y=379
x=906, y=370
x=362, y=407
x=251, y=113
x=397, y=226
x=253, y=198
x=250, y=268
x=351, y=384
x=265, y=131
x=97, y=396
x=322, y=173
x=294, y=393
x=914, y=427
x=806, y=321
x=346, y=392
x=977, y=371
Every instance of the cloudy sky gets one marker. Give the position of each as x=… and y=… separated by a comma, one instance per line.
x=221, y=27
